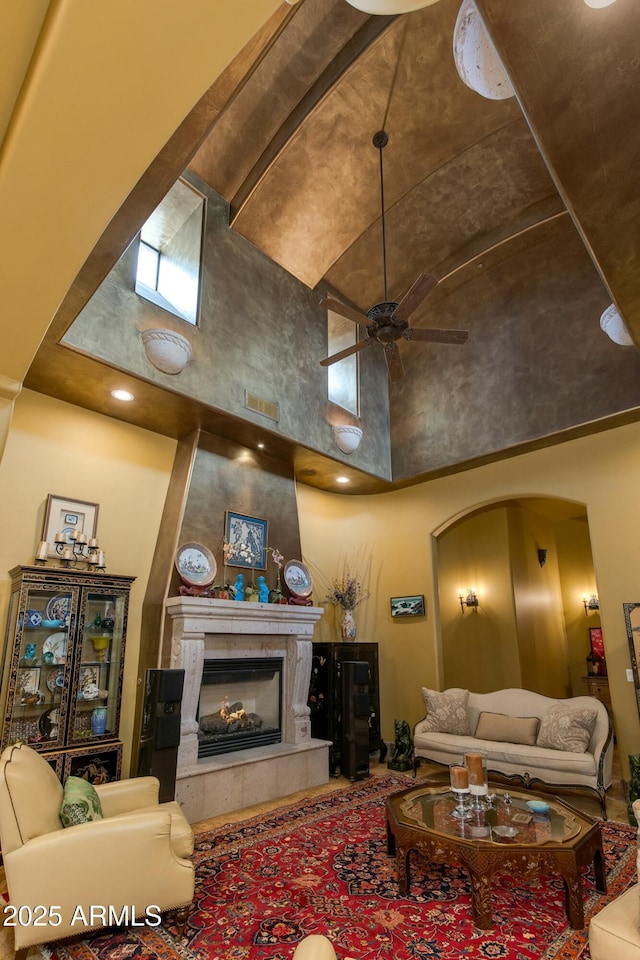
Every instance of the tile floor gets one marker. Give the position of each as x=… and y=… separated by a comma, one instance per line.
x=616, y=809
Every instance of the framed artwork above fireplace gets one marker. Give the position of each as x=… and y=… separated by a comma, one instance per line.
x=247, y=541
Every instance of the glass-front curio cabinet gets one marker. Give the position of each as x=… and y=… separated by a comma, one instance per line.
x=63, y=667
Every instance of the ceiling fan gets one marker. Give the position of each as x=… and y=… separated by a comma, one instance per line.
x=386, y=322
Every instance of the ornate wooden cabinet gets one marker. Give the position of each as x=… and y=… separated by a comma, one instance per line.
x=325, y=694
x=63, y=667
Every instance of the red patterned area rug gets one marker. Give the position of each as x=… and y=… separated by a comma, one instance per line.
x=321, y=866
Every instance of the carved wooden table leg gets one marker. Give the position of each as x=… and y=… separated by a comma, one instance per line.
x=391, y=841
x=480, y=898
x=402, y=866
x=573, y=900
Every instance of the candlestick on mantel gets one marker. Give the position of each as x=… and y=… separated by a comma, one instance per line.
x=43, y=549
x=459, y=778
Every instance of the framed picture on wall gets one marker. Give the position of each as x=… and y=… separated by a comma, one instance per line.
x=408, y=606
x=247, y=541
x=63, y=515
x=596, y=641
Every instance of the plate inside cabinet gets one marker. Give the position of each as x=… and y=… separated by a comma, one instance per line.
x=196, y=564
x=58, y=607
x=55, y=679
x=56, y=644
x=298, y=578
x=48, y=723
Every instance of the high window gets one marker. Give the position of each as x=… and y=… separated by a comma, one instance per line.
x=170, y=253
x=342, y=384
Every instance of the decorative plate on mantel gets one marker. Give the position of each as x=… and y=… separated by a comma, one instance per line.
x=297, y=578
x=196, y=564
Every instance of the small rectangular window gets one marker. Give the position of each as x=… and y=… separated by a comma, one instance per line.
x=342, y=377
x=170, y=253
x=148, y=260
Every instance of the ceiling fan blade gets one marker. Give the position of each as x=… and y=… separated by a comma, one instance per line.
x=345, y=353
x=415, y=295
x=435, y=336
x=394, y=361
x=347, y=312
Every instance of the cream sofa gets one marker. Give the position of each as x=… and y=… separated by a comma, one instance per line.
x=615, y=931
x=528, y=764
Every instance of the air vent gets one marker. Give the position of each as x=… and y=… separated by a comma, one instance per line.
x=259, y=405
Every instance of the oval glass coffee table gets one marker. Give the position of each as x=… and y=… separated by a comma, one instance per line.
x=506, y=838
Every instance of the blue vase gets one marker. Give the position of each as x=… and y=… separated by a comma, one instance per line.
x=99, y=721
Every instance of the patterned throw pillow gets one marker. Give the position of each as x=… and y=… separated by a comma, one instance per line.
x=567, y=728
x=80, y=803
x=447, y=711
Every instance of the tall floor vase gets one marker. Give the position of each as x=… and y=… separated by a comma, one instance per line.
x=348, y=626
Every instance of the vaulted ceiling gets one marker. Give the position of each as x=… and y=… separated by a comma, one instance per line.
x=523, y=206
x=465, y=177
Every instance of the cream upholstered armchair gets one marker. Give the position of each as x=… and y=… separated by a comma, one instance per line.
x=615, y=931
x=133, y=859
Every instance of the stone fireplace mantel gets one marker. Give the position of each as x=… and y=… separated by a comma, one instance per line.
x=207, y=629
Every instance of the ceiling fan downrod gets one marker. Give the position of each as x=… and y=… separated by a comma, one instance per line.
x=380, y=140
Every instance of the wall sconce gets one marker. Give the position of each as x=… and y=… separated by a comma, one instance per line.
x=592, y=603
x=347, y=437
x=542, y=556
x=471, y=600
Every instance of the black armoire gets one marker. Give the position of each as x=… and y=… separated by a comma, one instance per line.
x=326, y=698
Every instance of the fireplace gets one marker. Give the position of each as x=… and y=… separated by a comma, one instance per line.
x=240, y=705
x=209, y=634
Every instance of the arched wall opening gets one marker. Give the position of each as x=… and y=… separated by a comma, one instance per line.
x=530, y=628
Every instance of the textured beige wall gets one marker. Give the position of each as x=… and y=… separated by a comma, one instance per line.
x=57, y=448
x=602, y=472
x=577, y=579
x=479, y=649
x=542, y=643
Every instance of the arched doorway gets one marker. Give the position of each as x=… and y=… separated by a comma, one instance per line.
x=529, y=561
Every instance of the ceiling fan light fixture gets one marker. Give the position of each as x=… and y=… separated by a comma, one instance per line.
x=478, y=65
x=386, y=7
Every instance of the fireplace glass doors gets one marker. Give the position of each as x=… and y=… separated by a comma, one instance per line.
x=240, y=705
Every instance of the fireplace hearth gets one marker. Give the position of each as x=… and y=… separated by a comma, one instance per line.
x=240, y=705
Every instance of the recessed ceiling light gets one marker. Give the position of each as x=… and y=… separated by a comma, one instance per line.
x=598, y=3
x=122, y=395
x=342, y=479
x=261, y=446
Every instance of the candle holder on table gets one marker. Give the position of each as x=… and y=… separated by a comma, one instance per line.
x=461, y=792
x=477, y=766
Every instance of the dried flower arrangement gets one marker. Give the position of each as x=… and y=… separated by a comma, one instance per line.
x=346, y=592
x=349, y=589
